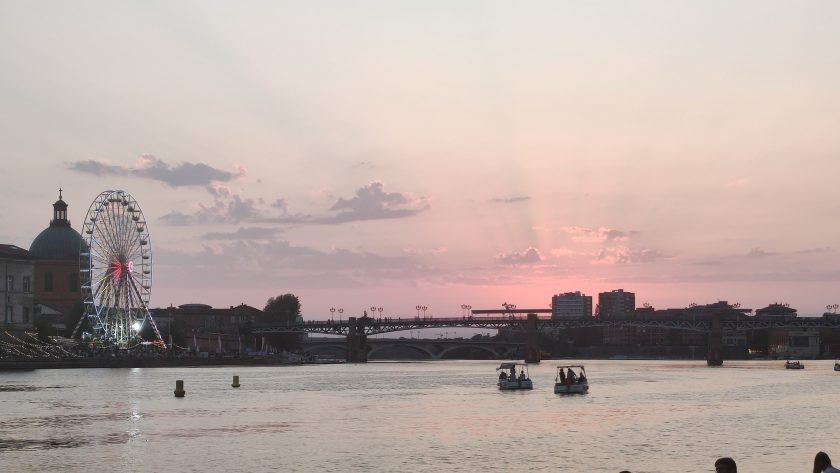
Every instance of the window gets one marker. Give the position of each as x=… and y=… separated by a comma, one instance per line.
x=26, y=284
x=48, y=282
x=26, y=315
x=10, y=283
x=74, y=282
x=9, y=314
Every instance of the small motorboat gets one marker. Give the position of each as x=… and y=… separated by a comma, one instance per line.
x=514, y=376
x=794, y=365
x=569, y=382
x=836, y=365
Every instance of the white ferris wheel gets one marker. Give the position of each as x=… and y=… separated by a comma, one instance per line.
x=116, y=269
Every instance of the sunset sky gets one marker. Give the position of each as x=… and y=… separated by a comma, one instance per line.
x=438, y=153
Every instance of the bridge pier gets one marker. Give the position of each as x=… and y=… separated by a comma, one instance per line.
x=357, y=349
x=532, y=340
x=714, y=357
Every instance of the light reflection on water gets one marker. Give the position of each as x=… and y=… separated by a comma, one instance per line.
x=644, y=416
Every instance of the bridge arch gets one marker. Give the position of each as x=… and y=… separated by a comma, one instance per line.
x=426, y=354
x=494, y=354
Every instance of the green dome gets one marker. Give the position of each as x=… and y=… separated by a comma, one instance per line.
x=58, y=242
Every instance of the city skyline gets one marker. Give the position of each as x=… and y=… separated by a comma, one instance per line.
x=395, y=155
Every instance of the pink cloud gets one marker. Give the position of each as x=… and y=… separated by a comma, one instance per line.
x=528, y=256
x=625, y=255
x=598, y=235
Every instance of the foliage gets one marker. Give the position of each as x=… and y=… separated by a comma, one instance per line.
x=78, y=313
x=44, y=329
x=284, y=310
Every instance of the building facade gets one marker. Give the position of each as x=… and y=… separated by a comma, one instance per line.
x=571, y=305
x=616, y=303
x=56, y=250
x=17, y=273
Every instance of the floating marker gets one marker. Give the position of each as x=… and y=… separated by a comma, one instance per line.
x=179, y=388
x=235, y=382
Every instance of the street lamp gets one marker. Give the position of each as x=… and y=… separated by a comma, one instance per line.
x=373, y=310
x=340, y=311
x=418, y=311
x=424, y=308
x=332, y=313
x=380, y=312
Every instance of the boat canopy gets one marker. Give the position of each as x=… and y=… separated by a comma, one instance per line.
x=507, y=366
x=570, y=366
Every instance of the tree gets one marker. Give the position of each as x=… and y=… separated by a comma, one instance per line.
x=284, y=310
x=73, y=319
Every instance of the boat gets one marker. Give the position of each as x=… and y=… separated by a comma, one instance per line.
x=836, y=365
x=794, y=365
x=514, y=376
x=576, y=384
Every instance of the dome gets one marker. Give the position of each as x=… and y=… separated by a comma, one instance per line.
x=58, y=242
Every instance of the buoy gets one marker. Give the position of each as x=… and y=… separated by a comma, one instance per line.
x=179, y=388
x=235, y=382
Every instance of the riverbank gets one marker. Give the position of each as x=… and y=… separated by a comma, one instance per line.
x=75, y=363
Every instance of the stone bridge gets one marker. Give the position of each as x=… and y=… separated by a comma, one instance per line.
x=429, y=349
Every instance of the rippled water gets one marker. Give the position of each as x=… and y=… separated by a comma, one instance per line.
x=644, y=416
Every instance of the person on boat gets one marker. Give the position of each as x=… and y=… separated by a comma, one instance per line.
x=581, y=378
x=822, y=464
x=562, y=376
x=571, y=376
x=725, y=465
x=513, y=374
x=521, y=374
x=502, y=375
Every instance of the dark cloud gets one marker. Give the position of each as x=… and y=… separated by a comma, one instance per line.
x=150, y=167
x=373, y=203
x=244, y=233
x=530, y=255
x=277, y=261
x=225, y=209
x=97, y=168
x=510, y=200
x=822, y=249
x=758, y=253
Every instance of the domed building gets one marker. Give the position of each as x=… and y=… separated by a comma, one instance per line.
x=56, y=250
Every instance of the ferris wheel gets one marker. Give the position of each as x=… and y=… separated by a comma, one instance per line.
x=116, y=269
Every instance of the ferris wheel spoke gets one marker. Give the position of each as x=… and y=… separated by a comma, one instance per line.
x=119, y=266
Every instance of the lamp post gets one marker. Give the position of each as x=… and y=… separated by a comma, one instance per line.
x=380, y=309
x=418, y=311
x=340, y=311
x=373, y=311
x=332, y=313
x=424, y=308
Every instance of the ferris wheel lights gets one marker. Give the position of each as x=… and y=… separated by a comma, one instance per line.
x=116, y=268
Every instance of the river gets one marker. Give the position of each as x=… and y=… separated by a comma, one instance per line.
x=642, y=416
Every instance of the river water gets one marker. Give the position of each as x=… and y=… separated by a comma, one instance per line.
x=643, y=416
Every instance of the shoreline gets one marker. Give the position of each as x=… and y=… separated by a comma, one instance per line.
x=147, y=363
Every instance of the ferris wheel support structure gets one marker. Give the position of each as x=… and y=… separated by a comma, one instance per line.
x=116, y=269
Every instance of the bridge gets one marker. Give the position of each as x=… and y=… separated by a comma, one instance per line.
x=425, y=348
x=357, y=329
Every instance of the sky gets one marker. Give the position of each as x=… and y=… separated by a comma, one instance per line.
x=395, y=154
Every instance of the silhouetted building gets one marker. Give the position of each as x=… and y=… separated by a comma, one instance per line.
x=571, y=304
x=206, y=329
x=616, y=303
x=57, y=250
x=17, y=273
